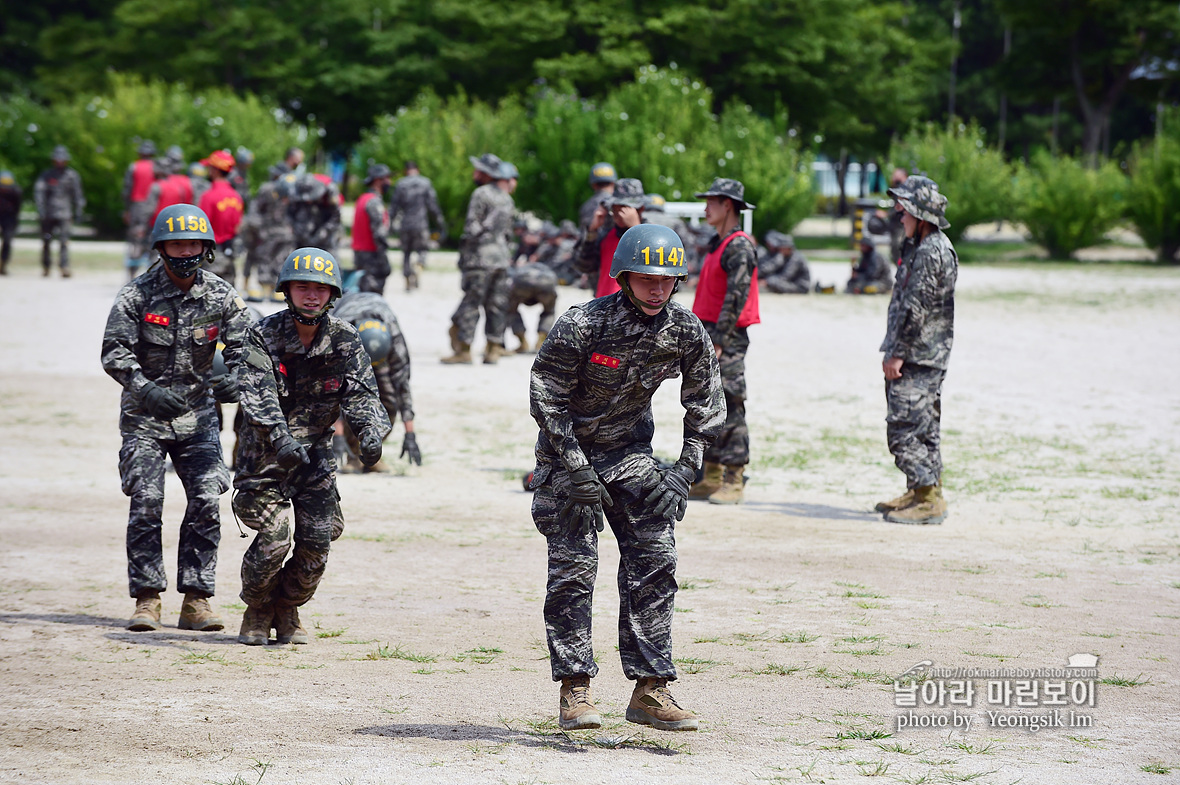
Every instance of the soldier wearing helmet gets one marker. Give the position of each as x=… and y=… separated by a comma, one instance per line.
x=727, y=303
x=60, y=201
x=370, y=229
x=382, y=337
x=602, y=179
x=314, y=212
x=137, y=182
x=301, y=370
x=415, y=202
x=224, y=206
x=590, y=390
x=917, y=349
x=198, y=178
x=269, y=234
x=239, y=178
x=159, y=344
x=616, y=214
x=10, y=199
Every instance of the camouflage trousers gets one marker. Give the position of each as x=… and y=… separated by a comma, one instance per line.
x=913, y=422
x=198, y=464
x=137, y=235
x=318, y=522
x=646, y=579
x=487, y=288
x=546, y=299
x=414, y=241
x=732, y=445
x=61, y=228
x=780, y=285
x=374, y=267
x=7, y=232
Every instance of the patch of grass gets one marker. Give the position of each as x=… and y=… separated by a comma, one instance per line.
x=1123, y=681
x=1155, y=767
x=695, y=664
x=1087, y=741
x=985, y=748
x=1058, y=574
x=1126, y=493
x=796, y=637
x=398, y=653
x=750, y=637
x=688, y=584
x=973, y=569
x=863, y=734
x=954, y=776
x=712, y=639
x=1038, y=601
x=873, y=651
x=331, y=633
x=872, y=768
x=259, y=767
x=775, y=669
x=481, y=655
x=1001, y=657
x=1100, y=634
x=897, y=747
x=202, y=658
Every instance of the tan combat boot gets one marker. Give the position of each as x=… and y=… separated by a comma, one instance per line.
x=928, y=507
x=709, y=484
x=732, y=489
x=652, y=704
x=492, y=354
x=287, y=626
x=255, y=629
x=524, y=343
x=453, y=334
x=462, y=355
x=380, y=467
x=576, y=709
x=540, y=340
x=195, y=614
x=905, y=500
x=147, y=613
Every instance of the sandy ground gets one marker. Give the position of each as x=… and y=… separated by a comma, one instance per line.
x=796, y=610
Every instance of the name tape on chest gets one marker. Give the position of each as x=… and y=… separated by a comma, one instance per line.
x=602, y=359
x=155, y=318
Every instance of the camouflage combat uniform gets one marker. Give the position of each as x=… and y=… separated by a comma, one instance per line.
x=920, y=332
x=415, y=201
x=317, y=224
x=59, y=199
x=137, y=213
x=269, y=234
x=287, y=387
x=157, y=333
x=732, y=445
x=533, y=284
x=785, y=274
x=586, y=211
x=393, y=375
x=590, y=389
x=870, y=270
x=374, y=265
x=483, y=261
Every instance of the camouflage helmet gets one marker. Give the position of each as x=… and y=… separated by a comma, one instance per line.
x=376, y=172
x=275, y=171
x=60, y=153
x=243, y=157
x=162, y=166
x=183, y=222
x=376, y=339
x=308, y=188
x=175, y=152
x=919, y=196
x=602, y=173
x=288, y=185
x=650, y=249
x=312, y=264
x=146, y=149
x=628, y=192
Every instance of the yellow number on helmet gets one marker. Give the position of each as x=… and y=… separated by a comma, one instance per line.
x=204, y=225
x=647, y=255
x=328, y=268
x=319, y=264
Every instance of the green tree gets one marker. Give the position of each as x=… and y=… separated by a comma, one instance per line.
x=1153, y=196
x=1066, y=206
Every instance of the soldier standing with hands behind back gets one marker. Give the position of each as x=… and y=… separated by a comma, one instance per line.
x=415, y=201
x=60, y=202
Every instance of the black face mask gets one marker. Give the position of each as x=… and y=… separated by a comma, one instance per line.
x=186, y=266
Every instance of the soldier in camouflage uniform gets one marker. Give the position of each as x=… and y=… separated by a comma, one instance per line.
x=870, y=273
x=301, y=369
x=370, y=231
x=532, y=284
x=602, y=179
x=270, y=234
x=727, y=303
x=239, y=178
x=917, y=347
x=198, y=177
x=590, y=390
x=483, y=262
x=382, y=337
x=656, y=213
x=315, y=214
x=784, y=270
x=137, y=182
x=10, y=199
x=558, y=252
x=59, y=199
x=159, y=345
x=616, y=214
x=415, y=202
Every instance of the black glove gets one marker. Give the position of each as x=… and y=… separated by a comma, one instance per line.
x=161, y=403
x=225, y=387
x=670, y=496
x=289, y=452
x=410, y=449
x=587, y=496
x=370, y=447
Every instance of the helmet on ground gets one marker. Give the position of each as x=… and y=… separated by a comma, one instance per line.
x=602, y=173
x=183, y=222
x=243, y=157
x=376, y=339
x=147, y=148
x=376, y=172
x=649, y=249
x=60, y=153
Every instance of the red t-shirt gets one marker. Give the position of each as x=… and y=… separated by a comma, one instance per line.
x=223, y=205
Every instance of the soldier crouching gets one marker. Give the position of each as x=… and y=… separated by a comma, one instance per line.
x=302, y=369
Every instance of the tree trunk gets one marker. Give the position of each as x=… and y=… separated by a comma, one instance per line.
x=841, y=173
x=1095, y=116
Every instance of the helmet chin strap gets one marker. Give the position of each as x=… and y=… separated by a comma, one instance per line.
x=625, y=285
x=186, y=266
x=309, y=321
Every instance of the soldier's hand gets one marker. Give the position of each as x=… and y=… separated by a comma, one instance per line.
x=225, y=387
x=627, y=216
x=370, y=447
x=587, y=497
x=598, y=219
x=289, y=452
x=410, y=449
x=892, y=368
x=670, y=496
x=161, y=403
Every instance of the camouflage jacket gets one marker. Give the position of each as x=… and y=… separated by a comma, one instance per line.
x=316, y=224
x=267, y=216
x=534, y=277
x=872, y=267
x=58, y=194
x=240, y=184
x=739, y=261
x=413, y=199
x=777, y=265
x=157, y=333
x=286, y=387
x=592, y=383
x=486, y=230
x=921, y=326
x=393, y=375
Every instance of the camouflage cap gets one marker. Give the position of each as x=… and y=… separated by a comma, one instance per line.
x=60, y=153
x=376, y=172
x=731, y=189
x=508, y=171
x=602, y=172
x=162, y=166
x=146, y=148
x=628, y=192
x=919, y=196
x=487, y=163
x=656, y=202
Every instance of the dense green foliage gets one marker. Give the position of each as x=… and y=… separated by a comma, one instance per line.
x=1066, y=206
x=974, y=177
x=659, y=128
x=103, y=132
x=1153, y=198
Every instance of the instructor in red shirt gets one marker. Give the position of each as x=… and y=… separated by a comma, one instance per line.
x=727, y=303
x=223, y=204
